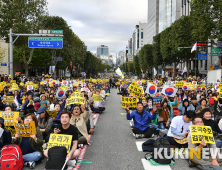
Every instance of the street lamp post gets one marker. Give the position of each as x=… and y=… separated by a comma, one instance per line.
x=116, y=57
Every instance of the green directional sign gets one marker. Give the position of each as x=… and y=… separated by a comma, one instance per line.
x=216, y=51
x=56, y=31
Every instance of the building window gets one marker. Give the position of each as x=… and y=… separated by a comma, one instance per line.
x=141, y=35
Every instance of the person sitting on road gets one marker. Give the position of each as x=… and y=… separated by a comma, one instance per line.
x=67, y=129
x=56, y=120
x=89, y=122
x=207, y=113
x=45, y=123
x=185, y=106
x=97, y=105
x=28, y=102
x=6, y=138
x=203, y=103
x=201, y=162
x=78, y=119
x=31, y=147
x=141, y=119
x=179, y=129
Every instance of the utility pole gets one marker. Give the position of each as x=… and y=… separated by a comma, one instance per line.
x=11, y=42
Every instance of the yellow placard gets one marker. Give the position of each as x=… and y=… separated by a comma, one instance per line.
x=25, y=130
x=76, y=98
x=9, y=117
x=128, y=101
x=8, y=99
x=50, y=84
x=12, y=81
x=135, y=89
x=191, y=87
x=35, y=86
x=179, y=84
x=60, y=140
x=11, y=130
x=198, y=133
x=75, y=84
x=1, y=88
x=96, y=97
x=52, y=113
x=220, y=94
x=63, y=87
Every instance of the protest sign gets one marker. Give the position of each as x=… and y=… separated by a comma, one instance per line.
x=25, y=130
x=8, y=99
x=96, y=97
x=128, y=101
x=157, y=101
x=60, y=140
x=52, y=113
x=179, y=84
x=12, y=81
x=63, y=87
x=135, y=89
x=75, y=84
x=11, y=130
x=9, y=117
x=14, y=86
x=198, y=133
x=76, y=98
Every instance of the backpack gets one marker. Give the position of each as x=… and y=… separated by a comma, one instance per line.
x=57, y=157
x=11, y=158
x=162, y=143
x=148, y=145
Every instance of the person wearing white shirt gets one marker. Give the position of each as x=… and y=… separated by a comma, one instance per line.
x=179, y=129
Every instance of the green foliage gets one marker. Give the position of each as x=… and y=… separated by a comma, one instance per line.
x=206, y=19
x=157, y=56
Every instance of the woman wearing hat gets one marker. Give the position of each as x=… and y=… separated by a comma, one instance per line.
x=79, y=117
x=43, y=102
x=5, y=137
x=45, y=123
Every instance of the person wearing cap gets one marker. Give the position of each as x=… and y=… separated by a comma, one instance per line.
x=44, y=123
x=5, y=138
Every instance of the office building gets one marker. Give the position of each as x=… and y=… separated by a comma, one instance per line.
x=102, y=50
x=152, y=20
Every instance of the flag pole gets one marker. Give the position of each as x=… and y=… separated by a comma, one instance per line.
x=196, y=64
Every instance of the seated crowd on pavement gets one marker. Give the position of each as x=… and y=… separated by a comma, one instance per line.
x=54, y=107
x=172, y=117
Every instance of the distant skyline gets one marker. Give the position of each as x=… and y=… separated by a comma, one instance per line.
x=97, y=22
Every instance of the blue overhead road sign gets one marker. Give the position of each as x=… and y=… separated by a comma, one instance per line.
x=45, y=42
x=3, y=64
x=58, y=59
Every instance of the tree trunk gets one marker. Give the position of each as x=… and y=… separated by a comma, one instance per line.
x=174, y=70
x=26, y=70
x=219, y=61
x=188, y=68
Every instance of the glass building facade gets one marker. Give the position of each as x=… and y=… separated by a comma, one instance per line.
x=102, y=51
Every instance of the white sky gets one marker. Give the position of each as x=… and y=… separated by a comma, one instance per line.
x=101, y=22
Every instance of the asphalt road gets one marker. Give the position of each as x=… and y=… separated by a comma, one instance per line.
x=113, y=145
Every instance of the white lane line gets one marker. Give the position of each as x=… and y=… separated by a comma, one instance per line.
x=148, y=166
x=139, y=145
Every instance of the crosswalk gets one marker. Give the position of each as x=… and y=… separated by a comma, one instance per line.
x=146, y=164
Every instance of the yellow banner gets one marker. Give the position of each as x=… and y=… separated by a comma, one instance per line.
x=1, y=88
x=25, y=130
x=9, y=117
x=198, y=133
x=128, y=101
x=52, y=113
x=75, y=84
x=60, y=140
x=12, y=81
x=63, y=87
x=179, y=84
x=76, y=98
x=96, y=97
x=8, y=99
